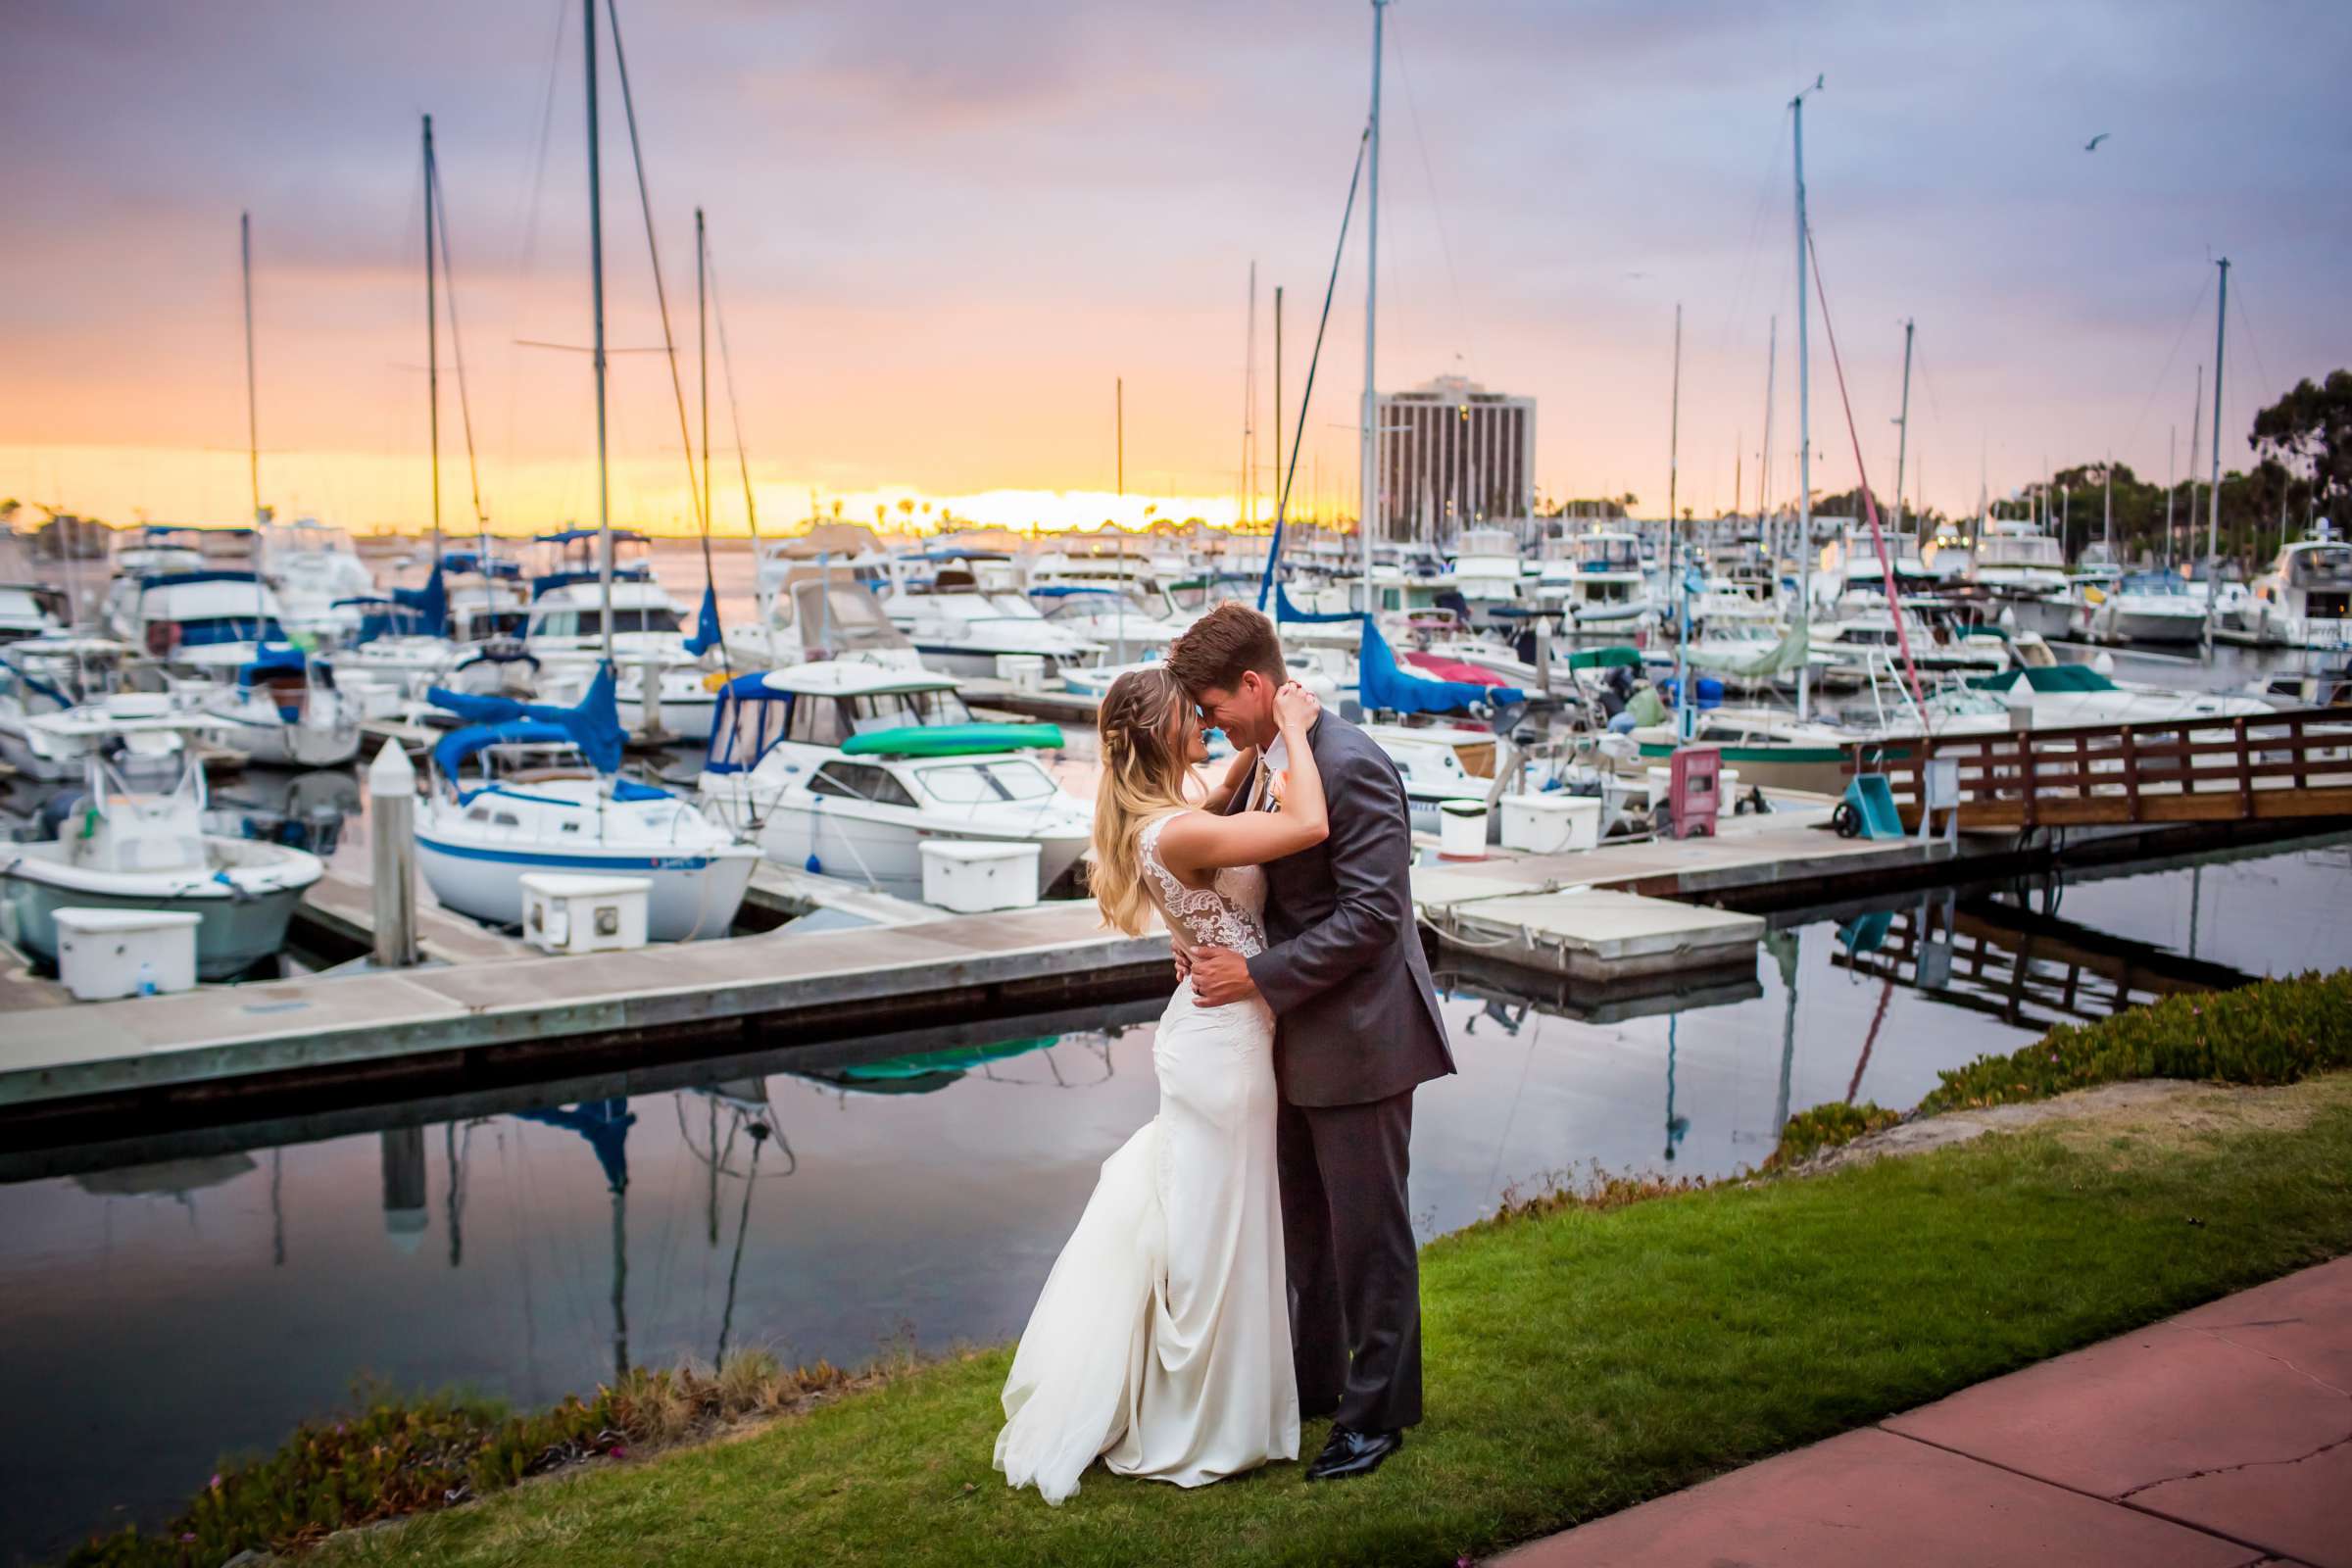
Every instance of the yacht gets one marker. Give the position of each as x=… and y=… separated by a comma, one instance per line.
x=537, y=790
x=318, y=576
x=157, y=549
x=848, y=549
x=565, y=634
x=1599, y=583
x=208, y=622
x=817, y=614
x=124, y=847
x=2148, y=607
x=2306, y=597
x=64, y=700
x=27, y=609
x=963, y=625
x=1765, y=745
x=2024, y=572
x=845, y=768
x=1486, y=574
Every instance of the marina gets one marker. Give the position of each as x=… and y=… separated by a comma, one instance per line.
x=544, y=853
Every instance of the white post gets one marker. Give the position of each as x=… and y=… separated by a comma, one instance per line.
x=392, y=852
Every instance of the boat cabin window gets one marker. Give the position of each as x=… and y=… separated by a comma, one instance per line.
x=858, y=781
x=985, y=783
x=591, y=622
x=211, y=631
x=505, y=820
x=2322, y=564
x=841, y=617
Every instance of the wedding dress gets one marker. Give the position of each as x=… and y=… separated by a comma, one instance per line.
x=1161, y=1340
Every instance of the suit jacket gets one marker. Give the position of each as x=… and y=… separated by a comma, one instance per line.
x=1357, y=1018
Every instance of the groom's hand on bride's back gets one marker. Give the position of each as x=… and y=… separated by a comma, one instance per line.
x=1221, y=976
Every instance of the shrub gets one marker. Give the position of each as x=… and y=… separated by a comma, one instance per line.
x=1827, y=1127
x=2273, y=1032
x=398, y=1456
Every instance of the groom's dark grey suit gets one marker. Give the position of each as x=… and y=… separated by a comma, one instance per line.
x=1357, y=1029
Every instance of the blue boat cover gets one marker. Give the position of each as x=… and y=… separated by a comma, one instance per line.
x=593, y=725
x=271, y=659
x=1381, y=684
x=452, y=750
x=706, y=623
x=430, y=601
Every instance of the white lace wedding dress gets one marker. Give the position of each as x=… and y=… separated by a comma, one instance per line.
x=1162, y=1341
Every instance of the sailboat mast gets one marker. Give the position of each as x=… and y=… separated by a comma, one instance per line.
x=702, y=359
x=253, y=425
x=596, y=294
x=2107, y=507
x=432, y=343
x=2213, y=525
x=1248, y=495
x=1771, y=553
x=1368, y=504
x=1674, y=429
x=1902, y=426
x=2172, y=482
x=1804, y=424
x=1282, y=484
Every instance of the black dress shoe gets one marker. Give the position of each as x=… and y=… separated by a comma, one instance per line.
x=1348, y=1452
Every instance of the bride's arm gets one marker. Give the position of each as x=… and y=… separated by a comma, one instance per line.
x=1236, y=775
x=1197, y=842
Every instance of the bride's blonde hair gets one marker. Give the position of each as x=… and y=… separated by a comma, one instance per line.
x=1143, y=775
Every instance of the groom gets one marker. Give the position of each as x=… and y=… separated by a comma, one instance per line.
x=1358, y=1028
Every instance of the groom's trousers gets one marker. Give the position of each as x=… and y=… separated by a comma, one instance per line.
x=1354, y=1272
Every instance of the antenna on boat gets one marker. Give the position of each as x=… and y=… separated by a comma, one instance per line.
x=1902, y=440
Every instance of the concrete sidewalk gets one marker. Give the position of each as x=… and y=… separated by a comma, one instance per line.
x=2219, y=1438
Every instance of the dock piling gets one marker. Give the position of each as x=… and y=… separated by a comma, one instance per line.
x=392, y=849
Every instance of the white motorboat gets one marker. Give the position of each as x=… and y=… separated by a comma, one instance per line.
x=845, y=768
x=841, y=549
x=2307, y=594
x=1124, y=622
x=1598, y=583
x=821, y=614
x=2024, y=572
x=522, y=795
x=565, y=635
x=960, y=628
x=282, y=708
x=157, y=549
x=205, y=622
x=319, y=577
x=126, y=848
x=30, y=610
x=1486, y=574
x=64, y=700
x=2151, y=609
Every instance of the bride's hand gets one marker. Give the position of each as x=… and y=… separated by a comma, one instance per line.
x=1295, y=706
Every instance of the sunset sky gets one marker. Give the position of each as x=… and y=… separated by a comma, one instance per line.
x=944, y=230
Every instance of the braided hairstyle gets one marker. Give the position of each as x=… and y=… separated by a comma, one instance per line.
x=1143, y=775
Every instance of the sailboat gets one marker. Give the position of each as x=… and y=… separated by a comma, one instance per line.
x=544, y=792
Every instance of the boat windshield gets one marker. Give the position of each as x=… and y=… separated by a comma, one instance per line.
x=1608, y=553
x=591, y=622
x=985, y=783
x=1013, y=606
x=844, y=616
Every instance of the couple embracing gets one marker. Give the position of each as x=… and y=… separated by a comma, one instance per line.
x=1248, y=1256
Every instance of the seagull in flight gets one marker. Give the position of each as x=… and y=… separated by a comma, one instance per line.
x=2092, y=145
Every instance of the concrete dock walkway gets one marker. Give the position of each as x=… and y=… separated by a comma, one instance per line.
x=2219, y=1438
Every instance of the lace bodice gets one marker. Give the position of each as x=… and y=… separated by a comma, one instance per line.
x=1230, y=912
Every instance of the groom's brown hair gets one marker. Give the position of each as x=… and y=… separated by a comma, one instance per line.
x=1221, y=645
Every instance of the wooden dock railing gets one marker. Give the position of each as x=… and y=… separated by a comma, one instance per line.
x=2287, y=764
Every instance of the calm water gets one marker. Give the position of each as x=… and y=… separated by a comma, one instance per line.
x=161, y=1314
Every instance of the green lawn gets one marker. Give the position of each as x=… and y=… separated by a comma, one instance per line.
x=1578, y=1362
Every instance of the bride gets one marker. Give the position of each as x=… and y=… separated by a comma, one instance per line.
x=1162, y=1341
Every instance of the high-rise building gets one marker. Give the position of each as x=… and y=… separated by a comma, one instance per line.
x=1454, y=455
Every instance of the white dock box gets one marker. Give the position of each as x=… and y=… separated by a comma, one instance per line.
x=1023, y=672
x=1554, y=823
x=584, y=914
x=974, y=876
x=104, y=953
x=1461, y=830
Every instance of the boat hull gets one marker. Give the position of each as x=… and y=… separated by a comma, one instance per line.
x=693, y=895
x=233, y=936
x=297, y=744
x=888, y=855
